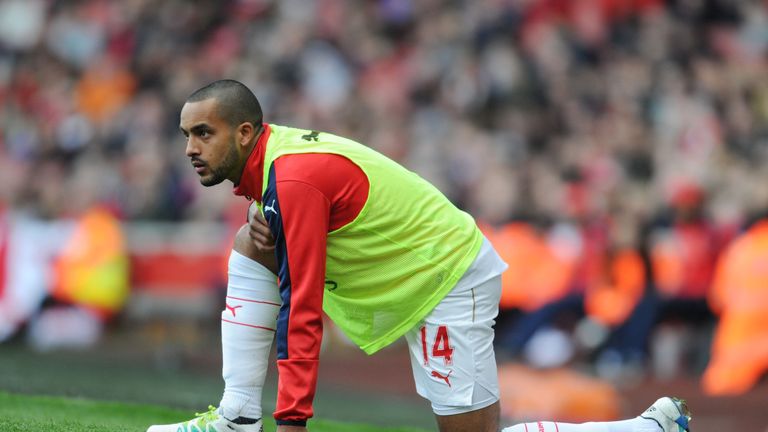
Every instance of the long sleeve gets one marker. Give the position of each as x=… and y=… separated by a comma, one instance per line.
x=303, y=212
x=307, y=195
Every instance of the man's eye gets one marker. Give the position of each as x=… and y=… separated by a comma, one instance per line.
x=204, y=134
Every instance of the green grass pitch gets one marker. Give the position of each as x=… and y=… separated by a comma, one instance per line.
x=24, y=413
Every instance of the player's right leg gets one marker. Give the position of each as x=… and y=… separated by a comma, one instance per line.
x=453, y=361
x=665, y=415
x=247, y=330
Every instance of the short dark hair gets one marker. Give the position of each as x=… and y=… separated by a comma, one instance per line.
x=236, y=103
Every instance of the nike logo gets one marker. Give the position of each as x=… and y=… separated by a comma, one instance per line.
x=437, y=374
x=232, y=309
x=270, y=208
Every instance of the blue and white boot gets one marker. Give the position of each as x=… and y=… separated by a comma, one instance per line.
x=672, y=414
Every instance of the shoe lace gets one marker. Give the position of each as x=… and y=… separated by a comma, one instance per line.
x=685, y=412
x=207, y=417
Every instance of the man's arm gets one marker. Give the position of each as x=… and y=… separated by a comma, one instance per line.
x=259, y=230
x=298, y=216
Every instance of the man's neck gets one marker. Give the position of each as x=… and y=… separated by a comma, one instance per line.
x=247, y=155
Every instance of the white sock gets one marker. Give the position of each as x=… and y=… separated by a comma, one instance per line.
x=247, y=330
x=637, y=424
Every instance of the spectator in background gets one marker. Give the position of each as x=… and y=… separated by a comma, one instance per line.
x=596, y=85
x=92, y=269
x=616, y=294
x=536, y=275
x=683, y=251
x=535, y=288
x=740, y=297
x=89, y=286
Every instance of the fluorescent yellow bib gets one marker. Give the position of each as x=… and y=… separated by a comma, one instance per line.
x=387, y=269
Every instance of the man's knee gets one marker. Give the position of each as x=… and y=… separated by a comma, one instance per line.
x=482, y=420
x=244, y=246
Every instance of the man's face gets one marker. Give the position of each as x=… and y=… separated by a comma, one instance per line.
x=211, y=144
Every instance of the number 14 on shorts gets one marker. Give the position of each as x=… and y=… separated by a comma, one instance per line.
x=440, y=344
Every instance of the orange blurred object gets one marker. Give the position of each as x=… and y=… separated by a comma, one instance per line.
x=683, y=260
x=92, y=270
x=555, y=394
x=612, y=299
x=104, y=89
x=740, y=296
x=536, y=275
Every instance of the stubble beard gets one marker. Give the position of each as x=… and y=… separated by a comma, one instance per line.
x=222, y=172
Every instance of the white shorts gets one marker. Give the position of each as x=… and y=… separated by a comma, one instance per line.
x=454, y=365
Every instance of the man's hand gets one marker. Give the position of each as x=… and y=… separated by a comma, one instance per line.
x=291, y=429
x=259, y=231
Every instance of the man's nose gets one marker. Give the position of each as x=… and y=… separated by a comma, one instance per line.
x=192, y=148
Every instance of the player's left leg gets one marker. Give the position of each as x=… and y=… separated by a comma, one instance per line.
x=247, y=330
x=248, y=324
x=666, y=415
x=453, y=361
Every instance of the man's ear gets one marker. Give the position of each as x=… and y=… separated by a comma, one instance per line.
x=245, y=133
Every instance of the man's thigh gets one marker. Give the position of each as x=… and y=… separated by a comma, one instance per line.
x=451, y=351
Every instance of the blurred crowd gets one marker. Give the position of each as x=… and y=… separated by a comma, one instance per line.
x=611, y=149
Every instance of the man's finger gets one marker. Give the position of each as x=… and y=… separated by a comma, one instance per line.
x=261, y=239
x=260, y=219
x=265, y=248
x=258, y=230
x=261, y=234
x=260, y=227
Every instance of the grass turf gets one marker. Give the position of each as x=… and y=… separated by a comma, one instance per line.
x=23, y=413
x=117, y=375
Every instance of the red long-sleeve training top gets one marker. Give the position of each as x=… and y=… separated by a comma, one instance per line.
x=307, y=196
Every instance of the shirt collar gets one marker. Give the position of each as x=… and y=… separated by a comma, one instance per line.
x=251, y=180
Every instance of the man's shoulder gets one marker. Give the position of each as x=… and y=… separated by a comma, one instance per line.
x=306, y=166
